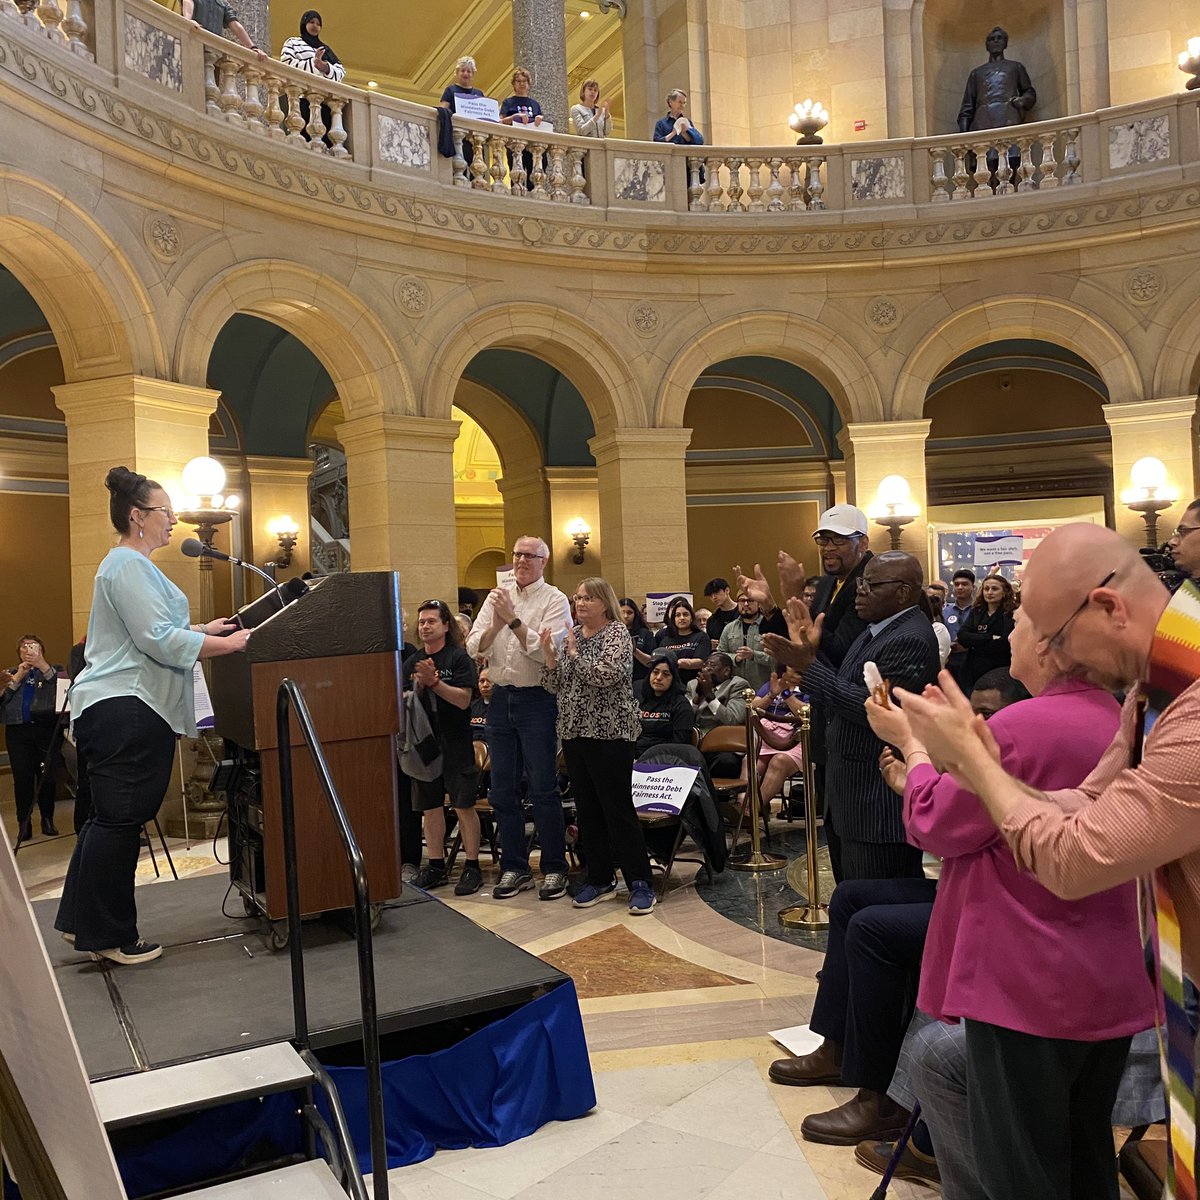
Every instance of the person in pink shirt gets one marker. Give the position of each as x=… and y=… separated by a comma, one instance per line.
x=1051, y=990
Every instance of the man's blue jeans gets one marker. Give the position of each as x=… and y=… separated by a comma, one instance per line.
x=521, y=736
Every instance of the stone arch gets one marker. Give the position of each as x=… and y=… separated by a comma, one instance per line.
x=515, y=439
x=1177, y=371
x=335, y=324
x=564, y=340
x=808, y=345
x=98, y=309
x=1042, y=317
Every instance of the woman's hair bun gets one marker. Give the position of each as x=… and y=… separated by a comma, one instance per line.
x=121, y=481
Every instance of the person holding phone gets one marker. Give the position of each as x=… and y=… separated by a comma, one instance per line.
x=28, y=710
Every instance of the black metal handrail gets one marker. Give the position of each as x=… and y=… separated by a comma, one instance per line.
x=290, y=699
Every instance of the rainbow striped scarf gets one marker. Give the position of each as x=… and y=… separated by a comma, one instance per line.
x=1174, y=666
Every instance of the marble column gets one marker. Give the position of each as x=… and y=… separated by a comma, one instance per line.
x=540, y=45
x=255, y=15
x=876, y=449
x=278, y=487
x=1163, y=429
x=149, y=425
x=643, y=508
x=400, y=475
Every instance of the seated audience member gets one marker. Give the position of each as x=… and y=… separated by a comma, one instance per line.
x=685, y=639
x=877, y=934
x=308, y=53
x=777, y=697
x=936, y=589
x=717, y=698
x=863, y=820
x=702, y=616
x=468, y=601
x=808, y=594
x=985, y=632
x=1184, y=548
x=724, y=610
x=675, y=127
x=591, y=116
x=1042, y=1076
x=742, y=641
x=443, y=678
x=640, y=636
x=215, y=16
x=479, y=707
x=665, y=711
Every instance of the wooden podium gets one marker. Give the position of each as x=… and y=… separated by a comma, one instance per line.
x=341, y=643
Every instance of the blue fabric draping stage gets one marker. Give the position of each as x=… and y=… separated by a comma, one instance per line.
x=502, y=1083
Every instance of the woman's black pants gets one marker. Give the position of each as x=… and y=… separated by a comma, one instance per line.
x=28, y=746
x=601, y=774
x=130, y=751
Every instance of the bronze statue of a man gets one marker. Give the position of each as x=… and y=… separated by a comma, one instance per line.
x=998, y=93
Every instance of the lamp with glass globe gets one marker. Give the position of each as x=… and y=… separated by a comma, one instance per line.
x=808, y=119
x=1189, y=62
x=893, y=507
x=1149, y=494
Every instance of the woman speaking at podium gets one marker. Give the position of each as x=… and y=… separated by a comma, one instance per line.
x=130, y=703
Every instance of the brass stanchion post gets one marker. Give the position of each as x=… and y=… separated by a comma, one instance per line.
x=812, y=914
x=758, y=859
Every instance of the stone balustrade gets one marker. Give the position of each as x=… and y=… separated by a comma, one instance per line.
x=184, y=74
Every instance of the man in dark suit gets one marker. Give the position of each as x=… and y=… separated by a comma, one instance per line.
x=863, y=818
x=841, y=536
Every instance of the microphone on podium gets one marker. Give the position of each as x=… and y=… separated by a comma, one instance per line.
x=195, y=548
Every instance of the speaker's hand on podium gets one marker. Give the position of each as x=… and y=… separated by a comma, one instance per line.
x=218, y=628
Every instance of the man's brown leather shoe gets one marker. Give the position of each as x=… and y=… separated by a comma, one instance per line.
x=868, y=1117
x=823, y=1065
x=914, y=1165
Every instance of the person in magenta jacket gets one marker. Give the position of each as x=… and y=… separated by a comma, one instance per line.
x=1051, y=990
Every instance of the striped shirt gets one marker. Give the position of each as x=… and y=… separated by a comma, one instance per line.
x=1122, y=823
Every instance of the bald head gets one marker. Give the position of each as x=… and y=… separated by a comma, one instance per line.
x=1091, y=592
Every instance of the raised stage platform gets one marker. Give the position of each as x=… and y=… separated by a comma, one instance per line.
x=218, y=985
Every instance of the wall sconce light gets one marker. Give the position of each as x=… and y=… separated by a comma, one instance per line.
x=580, y=533
x=894, y=507
x=1189, y=62
x=206, y=503
x=1149, y=494
x=808, y=119
x=285, y=531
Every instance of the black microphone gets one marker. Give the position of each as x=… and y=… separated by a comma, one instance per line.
x=195, y=548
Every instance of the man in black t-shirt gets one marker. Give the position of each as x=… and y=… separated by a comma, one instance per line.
x=443, y=677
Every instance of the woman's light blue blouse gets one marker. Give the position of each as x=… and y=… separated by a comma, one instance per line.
x=139, y=642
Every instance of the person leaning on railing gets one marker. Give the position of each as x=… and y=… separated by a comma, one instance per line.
x=308, y=53
x=215, y=16
x=675, y=127
x=591, y=116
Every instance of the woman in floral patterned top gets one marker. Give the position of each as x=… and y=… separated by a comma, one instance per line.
x=591, y=673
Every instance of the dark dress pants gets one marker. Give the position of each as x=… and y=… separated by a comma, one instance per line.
x=1040, y=1113
x=521, y=733
x=601, y=773
x=28, y=747
x=130, y=751
x=865, y=998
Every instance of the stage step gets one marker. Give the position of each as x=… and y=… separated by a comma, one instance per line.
x=205, y=1083
x=308, y=1181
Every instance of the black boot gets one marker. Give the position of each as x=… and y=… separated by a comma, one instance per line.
x=25, y=831
x=48, y=827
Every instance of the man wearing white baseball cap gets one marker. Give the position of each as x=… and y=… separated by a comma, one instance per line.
x=842, y=539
